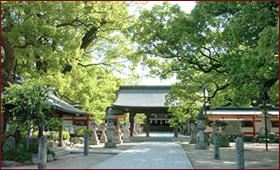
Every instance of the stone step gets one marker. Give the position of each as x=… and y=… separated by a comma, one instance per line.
x=60, y=150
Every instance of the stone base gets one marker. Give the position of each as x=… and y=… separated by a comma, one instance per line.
x=103, y=140
x=193, y=141
x=262, y=140
x=110, y=145
x=126, y=141
x=223, y=142
x=118, y=141
x=201, y=145
x=94, y=142
x=9, y=164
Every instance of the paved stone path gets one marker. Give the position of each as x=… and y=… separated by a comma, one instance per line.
x=149, y=155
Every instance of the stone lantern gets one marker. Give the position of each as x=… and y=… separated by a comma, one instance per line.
x=266, y=124
x=94, y=138
x=110, y=129
x=201, y=127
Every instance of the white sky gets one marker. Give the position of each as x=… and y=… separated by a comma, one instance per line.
x=142, y=71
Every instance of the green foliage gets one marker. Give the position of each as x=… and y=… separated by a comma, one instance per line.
x=251, y=45
x=22, y=154
x=35, y=134
x=65, y=135
x=26, y=105
x=124, y=120
x=53, y=123
x=16, y=155
x=81, y=132
x=218, y=47
x=77, y=47
x=140, y=118
x=33, y=147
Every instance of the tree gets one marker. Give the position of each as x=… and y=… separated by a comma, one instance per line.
x=25, y=105
x=251, y=40
x=75, y=46
x=212, y=47
x=171, y=42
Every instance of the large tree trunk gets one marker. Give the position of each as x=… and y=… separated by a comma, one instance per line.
x=8, y=65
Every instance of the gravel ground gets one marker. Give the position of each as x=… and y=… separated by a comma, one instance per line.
x=255, y=154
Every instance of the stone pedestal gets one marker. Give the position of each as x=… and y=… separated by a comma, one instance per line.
x=223, y=142
x=110, y=143
x=126, y=133
x=94, y=138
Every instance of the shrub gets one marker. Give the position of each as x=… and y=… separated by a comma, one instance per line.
x=33, y=147
x=65, y=135
x=35, y=134
x=16, y=155
x=81, y=132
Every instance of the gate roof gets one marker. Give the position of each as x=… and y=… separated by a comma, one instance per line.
x=141, y=96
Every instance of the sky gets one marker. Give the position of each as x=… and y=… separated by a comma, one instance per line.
x=143, y=71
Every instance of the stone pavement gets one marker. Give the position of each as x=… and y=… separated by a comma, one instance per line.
x=256, y=157
x=149, y=155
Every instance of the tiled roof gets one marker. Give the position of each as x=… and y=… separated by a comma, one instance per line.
x=142, y=96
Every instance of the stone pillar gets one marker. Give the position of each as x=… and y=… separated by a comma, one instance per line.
x=42, y=153
x=110, y=128
x=94, y=138
x=86, y=144
x=60, y=133
x=216, y=146
x=239, y=153
x=201, y=127
x=148, y=124
x=103, y=137
x=131, y=121
x=126, y=132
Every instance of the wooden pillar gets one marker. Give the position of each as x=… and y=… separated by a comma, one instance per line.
x=131, y=121
x=60, y=133
x=148, y=115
